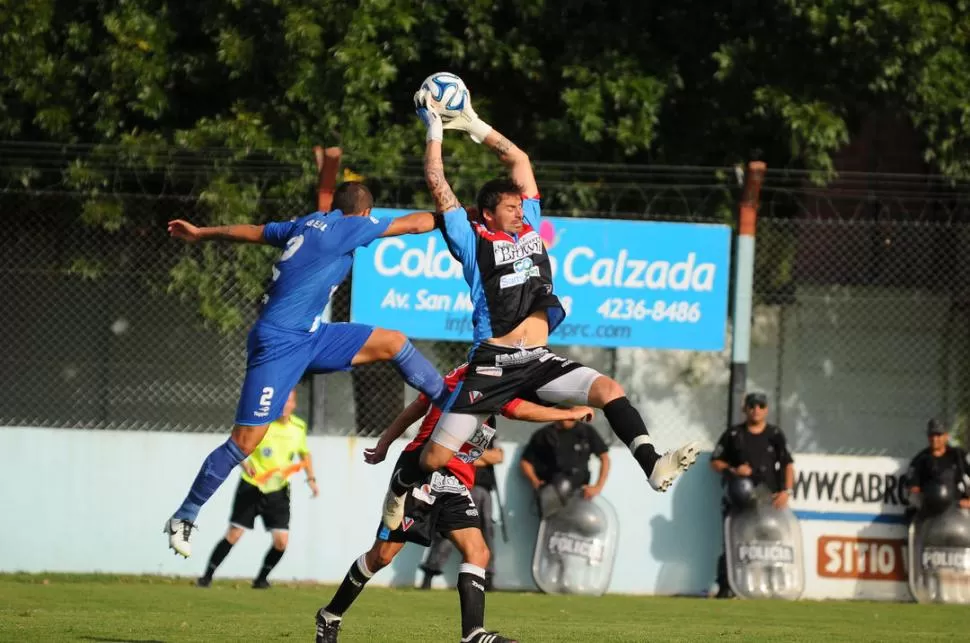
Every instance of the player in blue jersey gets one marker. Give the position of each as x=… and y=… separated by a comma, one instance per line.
x=508, y=271
x=291, y=337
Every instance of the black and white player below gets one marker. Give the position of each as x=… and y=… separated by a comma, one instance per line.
x=441, y=504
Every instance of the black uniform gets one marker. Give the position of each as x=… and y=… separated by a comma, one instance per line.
x=768, y=456
x=952, y=470
x=766, y=452
x=564, y=452
x=510, y=278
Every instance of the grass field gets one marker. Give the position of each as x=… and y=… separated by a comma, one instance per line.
x=58, y=607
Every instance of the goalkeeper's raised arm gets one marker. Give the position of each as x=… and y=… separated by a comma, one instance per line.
x=511, y=156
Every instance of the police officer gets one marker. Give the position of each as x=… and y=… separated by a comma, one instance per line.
x=939, y=473
x=558, y=455
x=754, y=452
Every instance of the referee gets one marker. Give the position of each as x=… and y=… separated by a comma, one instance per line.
x=264, y=490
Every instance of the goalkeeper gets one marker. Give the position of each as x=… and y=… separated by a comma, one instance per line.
x=509, y=275
x=264, y=490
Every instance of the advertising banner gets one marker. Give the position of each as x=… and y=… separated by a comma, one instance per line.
x=853, y=526
x=622, y=283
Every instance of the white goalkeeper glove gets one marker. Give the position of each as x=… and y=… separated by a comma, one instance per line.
x=466, y=121
x=428, y=116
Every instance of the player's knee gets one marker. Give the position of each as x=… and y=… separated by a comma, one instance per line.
x=280, y=540
x=392, y=342
x=234, y=534
x=477, y=553
x=605, y=390
x=379, y=557
x=247, y=438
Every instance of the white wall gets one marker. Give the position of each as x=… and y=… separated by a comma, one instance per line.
x=95, y=501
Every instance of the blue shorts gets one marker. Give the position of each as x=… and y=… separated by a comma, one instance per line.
x=277, y=358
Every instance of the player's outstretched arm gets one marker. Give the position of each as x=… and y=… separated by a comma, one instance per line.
x=414, y=223
x=411, y=414
x=515, y=160
x=241, y=233
x=531, y=412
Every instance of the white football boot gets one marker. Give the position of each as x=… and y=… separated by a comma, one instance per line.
x=671, y=464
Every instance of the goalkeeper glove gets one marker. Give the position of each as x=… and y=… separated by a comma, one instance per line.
x=466, y=120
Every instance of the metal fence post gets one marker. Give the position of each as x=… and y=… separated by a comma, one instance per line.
x=744, y=286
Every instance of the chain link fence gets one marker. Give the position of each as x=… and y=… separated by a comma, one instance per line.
x=861, y=330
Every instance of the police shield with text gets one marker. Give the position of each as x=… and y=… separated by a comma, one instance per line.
x=939, y=534
x=576, y=548
x=762, y=538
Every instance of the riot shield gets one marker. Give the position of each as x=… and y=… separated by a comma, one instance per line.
x=939, y=556
x=763, y=548
x=576, y=548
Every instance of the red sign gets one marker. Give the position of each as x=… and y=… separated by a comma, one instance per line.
x=862, y=558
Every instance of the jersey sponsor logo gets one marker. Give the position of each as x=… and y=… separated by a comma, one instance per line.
x=765, y=552
x=523, y=356
x=446, y=484
x=475, y=446
x=506, y=252
x=954, y=559
x=423, y=493
x=882, y=559
x=406, y=523
x=517, y=278
x=474, y=396
x=571, y=544
x=491, y=371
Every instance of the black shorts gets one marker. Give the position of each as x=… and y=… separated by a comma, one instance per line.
x=498, y=374
x=439, y=505
x=273, y=507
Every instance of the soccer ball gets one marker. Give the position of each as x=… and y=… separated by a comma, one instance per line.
x=446, y=94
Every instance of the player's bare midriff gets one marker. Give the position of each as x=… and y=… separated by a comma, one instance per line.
x=533, y=331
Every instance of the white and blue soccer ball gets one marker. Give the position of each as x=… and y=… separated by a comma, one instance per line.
x=446, y=94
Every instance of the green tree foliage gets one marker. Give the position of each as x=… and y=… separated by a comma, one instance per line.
x=669, y=81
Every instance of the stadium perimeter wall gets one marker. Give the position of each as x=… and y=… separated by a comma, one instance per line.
x=95, y=501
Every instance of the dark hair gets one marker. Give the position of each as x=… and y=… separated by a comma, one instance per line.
x=352, y=197
x=493, y=191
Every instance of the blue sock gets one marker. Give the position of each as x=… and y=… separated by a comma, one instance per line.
x=419, y=373
x=215, y=469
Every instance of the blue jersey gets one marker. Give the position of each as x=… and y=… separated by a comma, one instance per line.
x=318, y=253
x=510, y=277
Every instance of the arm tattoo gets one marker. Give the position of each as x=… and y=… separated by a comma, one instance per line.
x=434, y=174
x=502, y=146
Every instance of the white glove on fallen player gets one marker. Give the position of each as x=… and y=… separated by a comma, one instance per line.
x=466, y=121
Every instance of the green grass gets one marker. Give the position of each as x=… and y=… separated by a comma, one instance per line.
x=61, y=607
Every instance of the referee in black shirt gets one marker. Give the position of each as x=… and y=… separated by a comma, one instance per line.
x=757, y=450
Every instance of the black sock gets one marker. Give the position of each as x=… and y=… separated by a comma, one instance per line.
x=471, y=595
x=629, y=427
x=272, y=557
x=218, y=555
x=350, y=588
